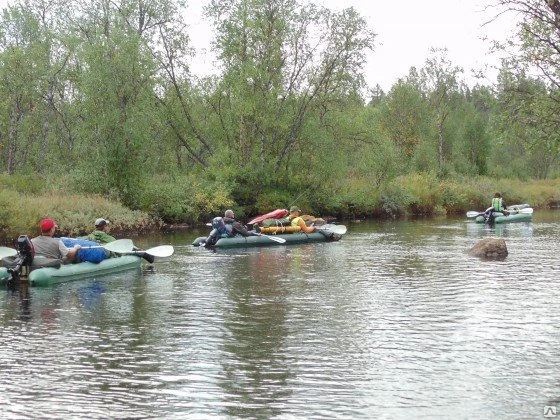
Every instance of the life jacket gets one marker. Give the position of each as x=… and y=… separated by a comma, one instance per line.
x=497, y=204
x=223, y=230
x=296, y=220
x=99, y=236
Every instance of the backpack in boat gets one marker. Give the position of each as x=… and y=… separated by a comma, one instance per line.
x=221, y=228
x=94, y=255
x=276, y=222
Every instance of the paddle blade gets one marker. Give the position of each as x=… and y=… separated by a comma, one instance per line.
x=161, y=251
x=338, y=229
x=473, y=213
x=120, y=246
x=7, y=252
x=275, y=239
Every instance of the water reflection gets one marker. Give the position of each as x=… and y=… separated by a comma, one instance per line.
x=393, y=321
x=500, y=230
x=255, y=369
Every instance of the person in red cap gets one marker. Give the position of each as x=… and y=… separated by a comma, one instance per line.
x=47, y=246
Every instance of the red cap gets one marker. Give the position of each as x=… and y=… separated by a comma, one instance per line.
x=47, y=225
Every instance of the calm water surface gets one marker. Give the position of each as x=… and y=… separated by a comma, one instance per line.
x=394, y=321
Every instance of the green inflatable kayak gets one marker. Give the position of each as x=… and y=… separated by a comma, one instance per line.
x=511, y=218
x=516, y=213
x=48, y=276
x=266, y=240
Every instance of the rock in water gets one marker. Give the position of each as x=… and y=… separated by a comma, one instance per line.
x=491, y=248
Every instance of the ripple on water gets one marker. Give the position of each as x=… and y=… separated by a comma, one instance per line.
x=394, y=321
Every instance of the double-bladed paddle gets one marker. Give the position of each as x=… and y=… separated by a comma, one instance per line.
x=528, y=210
x=120, y=246
x=7, y=252
x=158, y=251
x=274, y=238
x=125, y=246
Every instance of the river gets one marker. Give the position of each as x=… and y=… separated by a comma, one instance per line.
x=394, y=321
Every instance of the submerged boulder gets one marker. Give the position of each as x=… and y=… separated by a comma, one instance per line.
x=490, y=248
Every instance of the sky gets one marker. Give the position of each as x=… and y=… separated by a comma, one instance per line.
x=406, y=30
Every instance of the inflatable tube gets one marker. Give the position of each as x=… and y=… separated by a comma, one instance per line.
x=280, y=229
x=71, y=272
x=512, y=218
x=253, y=241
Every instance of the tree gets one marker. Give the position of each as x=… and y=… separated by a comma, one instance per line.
x=439, y=79
x=404, y=118
x=24, y=67
x=286, y=66
x=523, y=123
x=536, y=56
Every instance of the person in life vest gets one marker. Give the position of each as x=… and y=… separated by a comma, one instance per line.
x=498, y=206
x=296, y=220
x=226, y=227
x=100, y=234
x=235, y=227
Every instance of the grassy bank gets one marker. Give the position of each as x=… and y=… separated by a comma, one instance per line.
x=24, y=201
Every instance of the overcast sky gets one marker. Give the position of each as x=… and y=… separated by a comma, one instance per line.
x=406, y=30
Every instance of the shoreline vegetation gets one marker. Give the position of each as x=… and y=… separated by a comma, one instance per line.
x=102, y=117
x=24, y=201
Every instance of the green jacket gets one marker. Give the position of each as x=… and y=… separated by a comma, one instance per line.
x=497, y=203
x=100, y=236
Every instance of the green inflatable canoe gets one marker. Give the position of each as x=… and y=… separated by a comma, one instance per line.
x=48, y=276
x=253, y=241
x=518, y=217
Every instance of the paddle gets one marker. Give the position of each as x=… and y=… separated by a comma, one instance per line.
x=338, y=229
x=120, y=246
x=158, y=251
x=523, y=211
x=274, y=238
x=7, y=252
x=528, y=210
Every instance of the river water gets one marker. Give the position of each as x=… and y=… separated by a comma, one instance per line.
x=394, y=321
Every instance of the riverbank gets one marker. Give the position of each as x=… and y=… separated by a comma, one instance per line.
x=23, y=204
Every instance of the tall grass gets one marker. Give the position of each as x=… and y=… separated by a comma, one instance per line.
x=25, y=200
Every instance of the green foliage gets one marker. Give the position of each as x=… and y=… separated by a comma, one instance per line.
x=419, y=194
x=99, y=102
x=23, y=184
x=185, y=199
x=20, y=213
x=348, y=196
x=272, y=199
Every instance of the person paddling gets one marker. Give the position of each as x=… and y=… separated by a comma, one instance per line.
x=296, y=220
x=498, y=206
x=100, y=235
